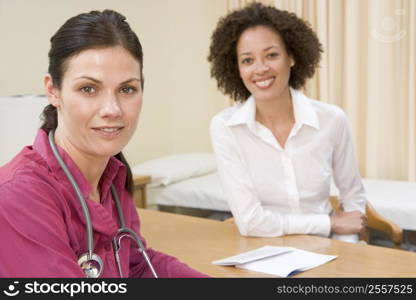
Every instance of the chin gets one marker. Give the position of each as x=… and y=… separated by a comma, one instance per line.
x=106, y=154
x=263, y=97
x=266, y=95
x=107, y=151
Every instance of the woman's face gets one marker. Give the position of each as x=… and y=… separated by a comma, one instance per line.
x=264, y=63
x=99, y=101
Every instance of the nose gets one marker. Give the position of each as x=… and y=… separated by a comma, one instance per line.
x=261, y=67
x=110, y=107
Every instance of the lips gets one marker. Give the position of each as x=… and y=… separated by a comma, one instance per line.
x=264, y=83
x=108, y=131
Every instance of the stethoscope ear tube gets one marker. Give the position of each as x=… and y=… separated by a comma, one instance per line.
x=130, y=233
x=127, y=232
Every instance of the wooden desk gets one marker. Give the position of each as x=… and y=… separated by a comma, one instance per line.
x=198, y=241
x=139, y=191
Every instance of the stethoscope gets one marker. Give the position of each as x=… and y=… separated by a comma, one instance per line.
x=91, y=263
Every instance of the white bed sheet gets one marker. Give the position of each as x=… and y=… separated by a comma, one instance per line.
x=202, y=192
x=395, y=200
x=151, y=195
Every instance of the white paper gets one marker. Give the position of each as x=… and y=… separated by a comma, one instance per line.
x=251, y=256
x=285, y=261
x=288, y=263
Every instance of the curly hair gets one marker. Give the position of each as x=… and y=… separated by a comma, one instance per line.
x=300, y=41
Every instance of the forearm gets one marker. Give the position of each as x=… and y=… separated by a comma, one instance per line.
x=268, y=222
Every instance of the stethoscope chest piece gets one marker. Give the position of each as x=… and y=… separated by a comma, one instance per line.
x=92, y=266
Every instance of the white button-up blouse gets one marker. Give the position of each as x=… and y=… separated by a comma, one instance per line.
x=274, y=191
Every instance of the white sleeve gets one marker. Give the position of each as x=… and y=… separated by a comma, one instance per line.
x=346, y=174
x=251, y=217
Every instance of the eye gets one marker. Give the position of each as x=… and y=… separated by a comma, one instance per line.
x=272, y=55
x=88, y=89
x=128, y=90
x=247, y=61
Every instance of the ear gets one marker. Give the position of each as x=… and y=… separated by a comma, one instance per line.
x=292, y=61
x=51, y=91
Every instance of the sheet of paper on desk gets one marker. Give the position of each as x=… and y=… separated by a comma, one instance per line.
x=287, y=262
x=253, y=255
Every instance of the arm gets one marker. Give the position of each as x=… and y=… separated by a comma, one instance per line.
x=164, y=265
x=351, y=218
x=33, y=231
x=251, y=217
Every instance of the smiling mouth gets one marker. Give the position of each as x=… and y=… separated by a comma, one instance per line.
x=264, y=83
x=108, y=131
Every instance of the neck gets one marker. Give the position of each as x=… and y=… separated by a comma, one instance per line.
x=275, y=111
x=91, y=166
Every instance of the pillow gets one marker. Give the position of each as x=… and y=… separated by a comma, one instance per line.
x=173, y=168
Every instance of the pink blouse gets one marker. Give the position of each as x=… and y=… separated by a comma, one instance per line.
x=42, y=227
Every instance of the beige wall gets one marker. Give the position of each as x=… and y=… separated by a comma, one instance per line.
x=179, y=96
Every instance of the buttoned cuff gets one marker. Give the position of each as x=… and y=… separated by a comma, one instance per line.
x=309, y=224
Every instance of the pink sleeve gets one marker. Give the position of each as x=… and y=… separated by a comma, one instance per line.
x=35, y=241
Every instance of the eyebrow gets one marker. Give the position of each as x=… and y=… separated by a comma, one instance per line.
x=99, y=81
x=265, y=49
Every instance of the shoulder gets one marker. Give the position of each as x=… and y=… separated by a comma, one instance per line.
x=26, y=165
x=225, y=115
x=26, y=182
x=218, y=129
x=327, y=113
x=326, y=109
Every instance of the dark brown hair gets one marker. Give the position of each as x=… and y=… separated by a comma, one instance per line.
x=88, y=31
x=300, y=41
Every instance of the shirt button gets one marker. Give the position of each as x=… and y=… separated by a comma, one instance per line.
x=108, y=247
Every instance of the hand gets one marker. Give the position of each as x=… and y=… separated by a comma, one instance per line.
x=353, y=222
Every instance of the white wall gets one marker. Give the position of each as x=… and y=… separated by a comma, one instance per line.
x=179, y=96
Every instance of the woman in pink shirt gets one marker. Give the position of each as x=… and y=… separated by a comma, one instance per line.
x=95, y=88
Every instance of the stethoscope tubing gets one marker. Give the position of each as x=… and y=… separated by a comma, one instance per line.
x=88, y=224
x=85, y=211
x=130, y=233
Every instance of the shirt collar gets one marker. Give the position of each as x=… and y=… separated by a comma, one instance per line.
x=302, y=108
x=115, y=173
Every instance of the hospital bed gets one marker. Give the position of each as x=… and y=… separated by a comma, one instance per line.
x=185, y=183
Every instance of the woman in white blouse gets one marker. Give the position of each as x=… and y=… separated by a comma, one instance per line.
x=277, y=149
